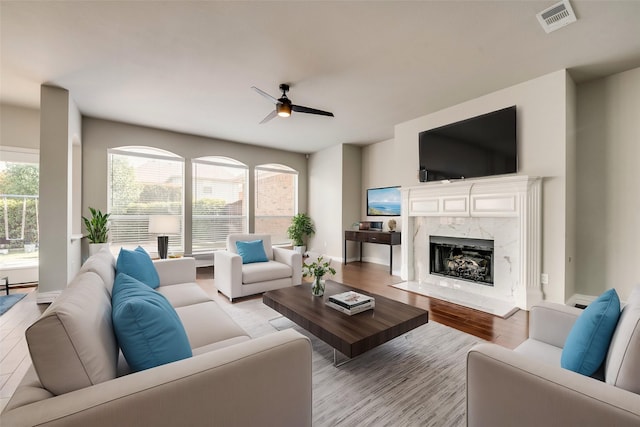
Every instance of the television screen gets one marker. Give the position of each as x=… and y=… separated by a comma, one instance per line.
x=480, y=146
x=383, y=201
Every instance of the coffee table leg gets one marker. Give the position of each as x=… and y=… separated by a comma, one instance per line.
x=336, y=358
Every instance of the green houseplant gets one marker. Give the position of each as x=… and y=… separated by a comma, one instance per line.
x=301, y=227
x=97, y=228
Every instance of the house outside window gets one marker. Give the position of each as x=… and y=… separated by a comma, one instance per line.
x=142, y=182
x=219, y=205
x=276, y=201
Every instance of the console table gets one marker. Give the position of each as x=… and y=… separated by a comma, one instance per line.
x=391, y=238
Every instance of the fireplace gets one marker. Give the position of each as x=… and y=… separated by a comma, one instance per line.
x=462, y=258
x=496, y=274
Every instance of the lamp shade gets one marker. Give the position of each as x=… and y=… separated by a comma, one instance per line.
x=164, y=224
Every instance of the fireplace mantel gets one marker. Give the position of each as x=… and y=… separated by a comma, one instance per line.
x=483, y=200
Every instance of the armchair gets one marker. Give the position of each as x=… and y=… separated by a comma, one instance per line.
x=527, y=386
x=235, y=279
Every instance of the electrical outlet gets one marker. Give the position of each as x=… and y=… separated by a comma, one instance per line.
x=544, y=278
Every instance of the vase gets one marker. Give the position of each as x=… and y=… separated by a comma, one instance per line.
x=317, y=287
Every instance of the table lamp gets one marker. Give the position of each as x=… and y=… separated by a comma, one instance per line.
x=163, y=225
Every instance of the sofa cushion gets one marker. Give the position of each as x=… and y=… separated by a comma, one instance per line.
x=104, y=265
x=262, y=272
x=72, y=344
x=540, y=351
x=251, y=251
x=184, y=294
x=206, y=323
x=138, y=264
x=588, y=342
x=623, y=360
x=148, y=328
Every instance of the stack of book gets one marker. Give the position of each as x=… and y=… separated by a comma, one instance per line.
x=351, y=302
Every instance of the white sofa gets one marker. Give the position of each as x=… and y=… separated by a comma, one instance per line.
x=235, y=279
x=527, y=386
x=230, y=380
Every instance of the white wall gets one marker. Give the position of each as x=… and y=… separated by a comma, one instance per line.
x=60, y=125
x=100, y=135
x=608, y=196
x=541, y=131
x=19, y=127
x=352, y=208
x=571, y=190
x=383, y=165
x=325, y=201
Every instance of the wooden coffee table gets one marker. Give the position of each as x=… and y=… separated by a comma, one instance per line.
x=350, y=335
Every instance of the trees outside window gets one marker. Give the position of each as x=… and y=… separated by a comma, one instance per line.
x=19, y=226
x=219, y=201
x=144, y=181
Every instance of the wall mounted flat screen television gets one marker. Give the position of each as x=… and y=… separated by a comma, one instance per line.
x=383, y=201
x=480, y=146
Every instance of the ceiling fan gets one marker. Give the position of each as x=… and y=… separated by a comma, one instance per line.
x=284, y=107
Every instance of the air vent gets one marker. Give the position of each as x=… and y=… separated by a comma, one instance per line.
x=556, y=16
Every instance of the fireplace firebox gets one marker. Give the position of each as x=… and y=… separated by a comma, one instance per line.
x=462, y=258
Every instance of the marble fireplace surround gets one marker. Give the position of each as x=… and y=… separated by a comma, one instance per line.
x=504, y=209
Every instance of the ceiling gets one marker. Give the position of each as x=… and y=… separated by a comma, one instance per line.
x=189, y=66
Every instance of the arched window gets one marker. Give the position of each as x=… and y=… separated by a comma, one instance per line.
x=276, y=194
x=219, y=201
x=144, y=182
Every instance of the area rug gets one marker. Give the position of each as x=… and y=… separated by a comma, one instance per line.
x=417, y=379
x=8, y=301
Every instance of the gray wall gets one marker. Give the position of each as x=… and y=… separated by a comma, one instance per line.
x=19, y=127
x=100, y=135
x=608, y=191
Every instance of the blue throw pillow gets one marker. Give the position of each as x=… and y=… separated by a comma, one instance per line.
x=138, y=265
x=148, y=328
x=588, y=341
x=252, y=251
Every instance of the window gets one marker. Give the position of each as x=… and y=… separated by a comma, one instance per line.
x=276, y=190
x=219, y=205
x=19, y=227
x=144, y=181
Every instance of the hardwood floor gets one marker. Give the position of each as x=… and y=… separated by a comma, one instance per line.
x=374, y=278
x=14, y=355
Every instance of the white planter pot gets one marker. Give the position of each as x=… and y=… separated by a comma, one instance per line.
x=96, y=247
x=300, y=249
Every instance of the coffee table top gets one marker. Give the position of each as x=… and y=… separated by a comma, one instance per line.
x=350, y=335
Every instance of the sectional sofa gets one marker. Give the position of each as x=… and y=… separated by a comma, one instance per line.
x=80, y=377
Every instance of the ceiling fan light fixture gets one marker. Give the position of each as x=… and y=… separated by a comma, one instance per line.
x=284, y=110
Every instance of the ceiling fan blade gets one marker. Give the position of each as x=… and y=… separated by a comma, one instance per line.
x=301, y=109
x=265, y=94
x=270, y=116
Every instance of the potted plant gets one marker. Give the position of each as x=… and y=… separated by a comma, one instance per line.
x=317, y=270
x=301, y=227
x=97, y=229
